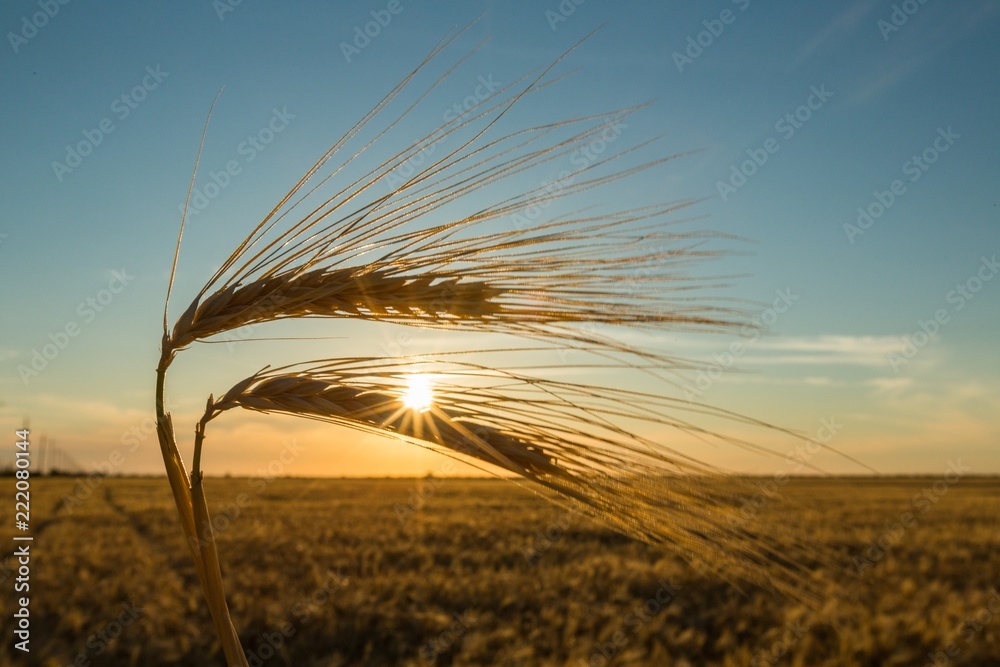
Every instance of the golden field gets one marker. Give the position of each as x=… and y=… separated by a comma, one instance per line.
x=482, y=572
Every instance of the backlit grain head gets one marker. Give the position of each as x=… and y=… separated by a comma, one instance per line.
x=460, y=242
x=355, y=293
x=568, y=439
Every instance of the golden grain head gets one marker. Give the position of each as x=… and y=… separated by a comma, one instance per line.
x=403, y=250
x=506, y=299
x=442, y=248
x=550, y=434
x=348, y=292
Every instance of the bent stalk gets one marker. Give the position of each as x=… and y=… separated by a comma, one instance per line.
x=192, y=507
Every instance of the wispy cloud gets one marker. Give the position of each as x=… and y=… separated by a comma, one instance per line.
x=825, y=349
x=841, y=26
x=887, y=73
x=886, y=385
x=923, y=38
x=88, y=409
x=822, y=349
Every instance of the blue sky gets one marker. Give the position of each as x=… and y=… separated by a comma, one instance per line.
x=839, y=99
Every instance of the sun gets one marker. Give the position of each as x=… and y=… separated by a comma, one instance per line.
x=418, y=393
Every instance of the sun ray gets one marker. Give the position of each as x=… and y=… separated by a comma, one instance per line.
x=419, y=395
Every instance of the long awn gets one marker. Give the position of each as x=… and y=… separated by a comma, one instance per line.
x=389, y=248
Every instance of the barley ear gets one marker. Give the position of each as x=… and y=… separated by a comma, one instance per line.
x=568, y=441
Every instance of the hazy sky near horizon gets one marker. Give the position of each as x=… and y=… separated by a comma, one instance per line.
x=854, y=144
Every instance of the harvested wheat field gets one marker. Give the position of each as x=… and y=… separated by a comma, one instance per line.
x=481, y=572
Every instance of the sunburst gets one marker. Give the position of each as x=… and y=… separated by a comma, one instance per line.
x=419, y=396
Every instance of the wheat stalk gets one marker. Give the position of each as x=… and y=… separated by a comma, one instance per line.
x=399, y=254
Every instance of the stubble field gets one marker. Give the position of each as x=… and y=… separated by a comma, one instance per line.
x=483, y=572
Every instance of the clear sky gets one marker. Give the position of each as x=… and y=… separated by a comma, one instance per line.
x=854, y=143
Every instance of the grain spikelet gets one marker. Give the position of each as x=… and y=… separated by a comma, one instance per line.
x=405, y=250
x=337, y=293
x=394, y=244
x=570, y=439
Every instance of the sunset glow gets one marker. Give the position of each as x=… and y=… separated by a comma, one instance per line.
x=418, y=393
